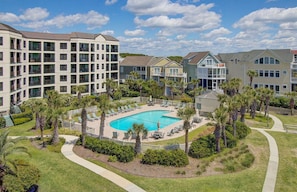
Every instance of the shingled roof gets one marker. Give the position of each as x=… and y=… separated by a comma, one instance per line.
x=195, y=57
x=138, y=61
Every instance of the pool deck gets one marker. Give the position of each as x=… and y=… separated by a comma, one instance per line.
x=108, y=130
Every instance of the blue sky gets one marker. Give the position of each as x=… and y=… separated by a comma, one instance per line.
x=164, y=27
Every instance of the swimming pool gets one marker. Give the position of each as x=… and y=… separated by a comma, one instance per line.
x=148, y=118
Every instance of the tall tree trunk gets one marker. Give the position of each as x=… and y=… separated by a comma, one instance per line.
x=186, y=140
x=234, y=119
x=242, y=113
x=101, y=130
x=42, y=124
x=253, y=109
x=137, y=144
x=37, y=121
x=55, y=138
x=292, y=103
x=218, y=135
x=83, y=126
x=224, y=135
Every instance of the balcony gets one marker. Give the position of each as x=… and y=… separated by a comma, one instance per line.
x=73, y=46
x=73, y=57
x=33, y=81
x=35, y=92
x=34, y=69
x=83, y=78
x=34, y=57
x=159, y=74
x=49, y=69
x=47, y=46
x=176, y=75
x=114, y=48
x=114, y=57
x=49, y=58
x=34, y=46
x=49, y=80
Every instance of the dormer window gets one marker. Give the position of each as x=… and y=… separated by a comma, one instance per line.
x=266, y=60
x=295, y=58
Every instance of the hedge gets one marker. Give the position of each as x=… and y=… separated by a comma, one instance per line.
x=2, y=122
x=123, y=153
x=176, y=158
x=202, y=147
x=241, y=130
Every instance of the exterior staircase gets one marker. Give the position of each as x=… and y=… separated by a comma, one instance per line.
x=8, y=120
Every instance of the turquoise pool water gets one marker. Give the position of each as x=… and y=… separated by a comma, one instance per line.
x=148, y=118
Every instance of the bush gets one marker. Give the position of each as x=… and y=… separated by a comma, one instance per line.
x=247, y=160
x=176, y=158
x=123, y=153
x=27, y=175
x=133, y=94
x=112, y=158
x=2, y=122
x=202, y=147
x=241, y=130
x=27, y=114
x=231, y=140
x=19, y=121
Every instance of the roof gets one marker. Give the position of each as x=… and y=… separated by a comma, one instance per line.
x=56, y=36
x=195, y=57
x=283, y=54
x=211, y=94
x=5, y=27
x=137, y=61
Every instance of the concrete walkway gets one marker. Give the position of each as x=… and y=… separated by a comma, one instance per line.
x=116, y=179
x=272, y=168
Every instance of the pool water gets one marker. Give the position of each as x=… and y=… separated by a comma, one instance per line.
x=150, y=120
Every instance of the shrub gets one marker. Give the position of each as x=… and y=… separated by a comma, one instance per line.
x=19, y=121
x=26, y=176
x=133, y=93
x=241, y=130
x=27, y=114
x=231, y=140
x=123, y=153
x=202, y=147
x=112, y=158
x=176, y=158
x=2, y=122
x=247, y=160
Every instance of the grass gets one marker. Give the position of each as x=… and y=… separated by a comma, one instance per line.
x=287, y=148
x=241, y=181
x=180, y=140
x=60, y=174
x=260, y=121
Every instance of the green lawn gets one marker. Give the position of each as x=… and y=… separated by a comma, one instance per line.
x=60, y=174
x=248, y=180
x=287, y=170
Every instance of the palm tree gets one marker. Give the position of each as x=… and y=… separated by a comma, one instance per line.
x=220, y=115
x=185, y=114
x=36, y=106
x=55, y=110
x=234, y=85
x=79, y=89
x=245, y=100
x=7, y=149
x=252, y=74
x=194, y=82
x=137, y=129
x=134, y=75
x=103, y=105
x=83, y=103
x=265, y=94
x=111, y=85
x=292, y=96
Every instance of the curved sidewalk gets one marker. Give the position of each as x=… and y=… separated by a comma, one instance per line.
x=272, y=168
x=116, y=179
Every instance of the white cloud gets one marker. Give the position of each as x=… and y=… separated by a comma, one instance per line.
x=137, y=32
x=108, y=32
x=8, y=18
x=92, y=19
x=34, y=14
x=110, y=2
x=173, y=18
x=217, y=32
x=179, y=37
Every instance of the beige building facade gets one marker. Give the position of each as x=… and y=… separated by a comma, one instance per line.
x=276, y=68
x=32, y=63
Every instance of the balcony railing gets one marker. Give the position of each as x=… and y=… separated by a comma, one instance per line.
x=176, y=75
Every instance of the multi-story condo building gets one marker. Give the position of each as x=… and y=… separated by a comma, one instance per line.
x=206, y=67
x=32, y=63
x=276, y=68
x=156, y=68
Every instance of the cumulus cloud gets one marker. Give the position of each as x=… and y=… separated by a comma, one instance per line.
x=110, y=2
x=34, y=14
x=217, y=32
x=172, y=17
x=8, y=18
x=92, y=19
x=137, y=32
x=108, y=32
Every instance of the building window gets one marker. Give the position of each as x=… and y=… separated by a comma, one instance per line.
x=24, y=93
x=277, y=88
x=24, y=44
x=63, y=78
x=63, y=67
x=1, y=86
x=295, y=59
x=63, y=56
x=97, y=76
x=276, y=73
x=271, y=74
x=284, y=86
x=63, y=45
x=24, y=56
x=261, y=73
x=102, y=47
x=24, y=81
x=97, y=46
x=102, y=66
x=1, y=71
x=1, y=40
x=1, y=101
x=1, y=56
x=24, y=69
x=63, y=89
x=266, y=73
x=284, y=72
x=102, y=76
